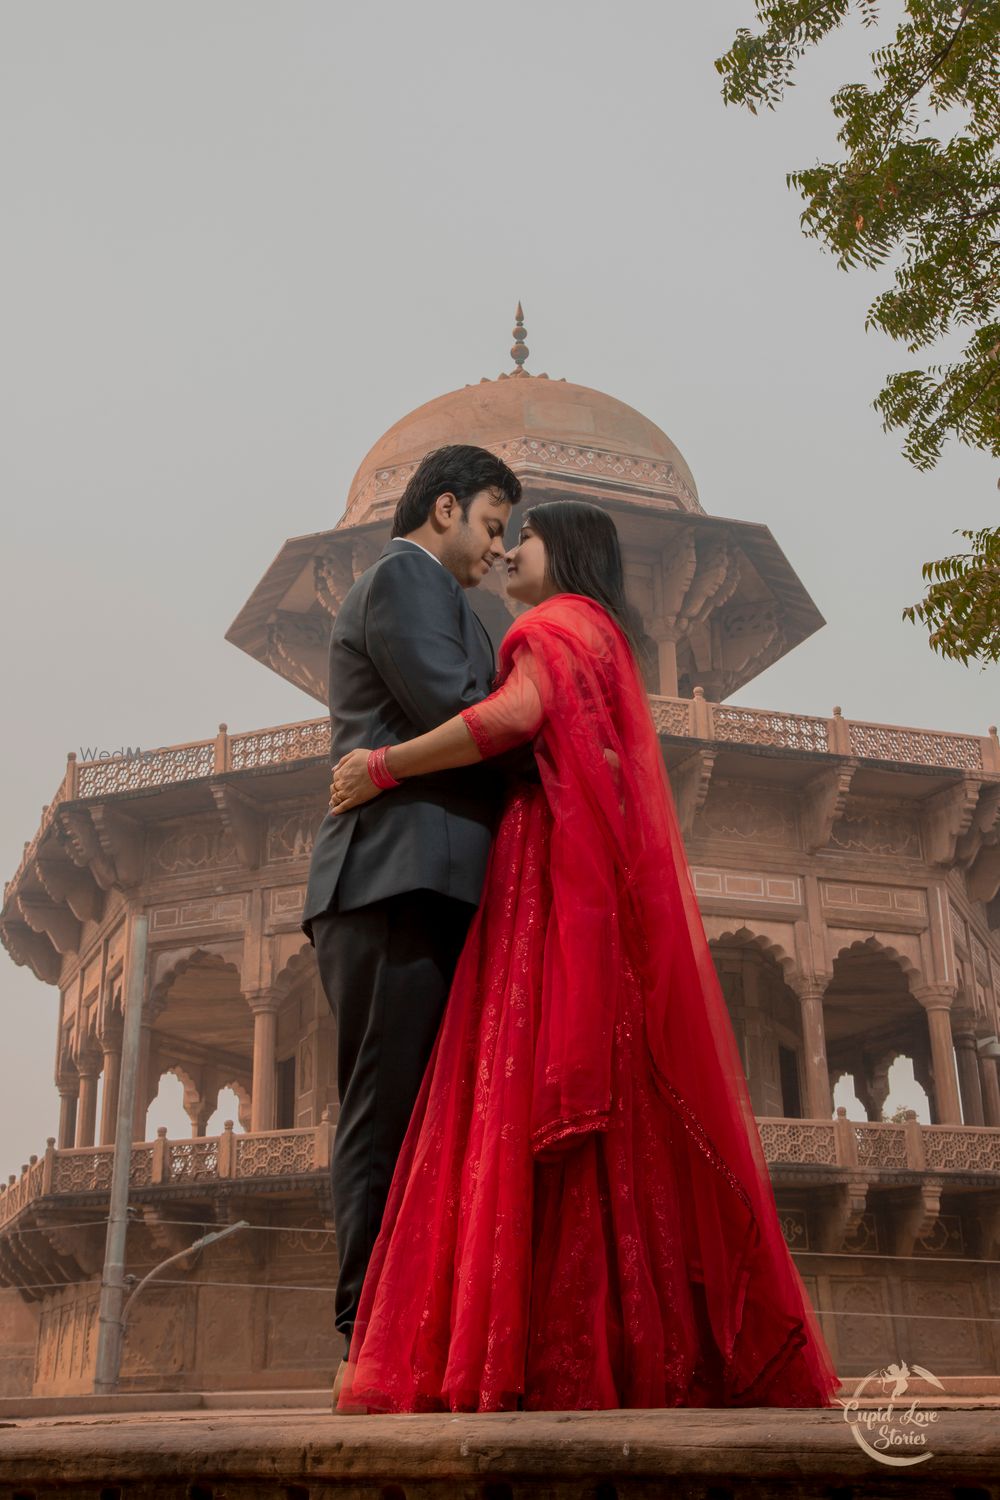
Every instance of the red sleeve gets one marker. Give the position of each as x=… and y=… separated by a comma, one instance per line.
x=510, y=716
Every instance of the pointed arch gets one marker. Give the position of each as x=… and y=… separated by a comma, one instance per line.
x=300, y=965
x=876, y=945
x=168, y=966
x=242, y=1093
x=748, y=937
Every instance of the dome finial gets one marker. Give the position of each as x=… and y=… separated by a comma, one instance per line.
x=519, y=351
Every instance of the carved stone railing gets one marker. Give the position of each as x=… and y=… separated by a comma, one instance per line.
x=297, y=1153
x=697, y=718
x=87, y=1169
x=678, y=718
x=877, y=1145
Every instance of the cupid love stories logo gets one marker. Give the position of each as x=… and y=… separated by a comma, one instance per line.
x=894, y=1431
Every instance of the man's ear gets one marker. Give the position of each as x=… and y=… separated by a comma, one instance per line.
x=445, y=507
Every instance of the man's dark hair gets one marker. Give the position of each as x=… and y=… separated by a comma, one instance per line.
x=583, y=556
x=460, y=470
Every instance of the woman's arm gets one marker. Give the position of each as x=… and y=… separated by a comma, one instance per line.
x=508, y=717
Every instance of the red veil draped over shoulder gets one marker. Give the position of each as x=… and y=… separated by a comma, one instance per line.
x=619, y=920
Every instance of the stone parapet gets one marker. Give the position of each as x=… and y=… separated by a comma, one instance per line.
x=634, y=1455
x=164, y=1163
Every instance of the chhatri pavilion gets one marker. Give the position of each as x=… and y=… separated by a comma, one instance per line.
x=848, y=875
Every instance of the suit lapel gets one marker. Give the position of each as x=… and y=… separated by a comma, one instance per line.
x=393, y=544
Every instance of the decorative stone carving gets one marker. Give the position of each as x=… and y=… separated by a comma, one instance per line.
x=755, y=726
x=333, y=577
x=914, y=1212
x=242, y=816
x=984, y=876
x=840, y=1214
x=122, y=841
x=799, y=1141
x=745, y=813
x=297, y=648
x=279, y=746
x=32, y=950
x=916, y=747
x=66, y=882
x=690, y=782
x=57, y=922
x=961, y=1149
x=947, y=816
x=279, y=1154
x=193, y=846
x=907, y=901
x=823, y=802
x=867, y=826
x=81, y=842
x=290, y=834
x=881, y=1144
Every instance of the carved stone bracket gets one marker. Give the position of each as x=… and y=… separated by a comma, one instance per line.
x=76, y=888
x=171, y=1238
x=987, y=1246
x=332, y=577
x=840, y=1214
x=984, y=828
x=297, y=647
x=947, y=818
x=690, y=782
x=82, y=1247
x=57, y=922
x=984, y=876
x=913, y=1214
x=31, y=949
x=122, y=841
x=823, y=801
x=79, y=836
x=242, y=817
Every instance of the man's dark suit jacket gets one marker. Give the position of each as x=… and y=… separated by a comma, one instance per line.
x=407, y=652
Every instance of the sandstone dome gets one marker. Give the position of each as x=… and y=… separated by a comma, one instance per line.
x=550, y=432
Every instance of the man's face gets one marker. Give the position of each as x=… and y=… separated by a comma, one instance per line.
x=474, y=541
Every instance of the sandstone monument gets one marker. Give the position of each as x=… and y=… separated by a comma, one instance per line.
x=848, y=875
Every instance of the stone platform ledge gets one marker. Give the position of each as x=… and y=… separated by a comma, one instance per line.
x=763, y=1452
x=961, y=1390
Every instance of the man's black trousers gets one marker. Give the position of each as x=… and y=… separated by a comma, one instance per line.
x=386, y=969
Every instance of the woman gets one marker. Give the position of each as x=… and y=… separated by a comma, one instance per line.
x=581, y=1215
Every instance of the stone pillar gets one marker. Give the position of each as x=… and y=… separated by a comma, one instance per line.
x=199, y=1113
x=112, y=1083
x=990, y=1080
x=67, y=1116
x=86, y=1120
x=968, y=1074
x=263, y=1089
x=937, y=1004
x=142, y=1099
x=819, y=1096
x=666, y=651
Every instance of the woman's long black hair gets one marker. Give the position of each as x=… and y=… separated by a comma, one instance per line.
x=583, y=556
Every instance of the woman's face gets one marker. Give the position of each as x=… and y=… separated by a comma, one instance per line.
x=527, y=580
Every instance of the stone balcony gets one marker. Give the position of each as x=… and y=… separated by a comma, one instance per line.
x=695, y=719
x=64, y=1186
x=842, y=1163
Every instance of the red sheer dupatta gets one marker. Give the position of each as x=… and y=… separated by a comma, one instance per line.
x=622, y=896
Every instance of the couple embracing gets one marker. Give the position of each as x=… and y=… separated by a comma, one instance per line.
x=548, y=1185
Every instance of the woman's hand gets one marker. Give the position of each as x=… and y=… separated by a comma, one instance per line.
x=351, y=784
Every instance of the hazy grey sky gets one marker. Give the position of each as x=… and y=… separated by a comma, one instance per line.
x=240, y=240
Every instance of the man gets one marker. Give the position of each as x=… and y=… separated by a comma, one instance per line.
x=394, y=884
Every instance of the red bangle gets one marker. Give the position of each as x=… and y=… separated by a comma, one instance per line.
x=378, y=771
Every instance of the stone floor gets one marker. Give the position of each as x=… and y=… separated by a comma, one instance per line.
x=227, y=1453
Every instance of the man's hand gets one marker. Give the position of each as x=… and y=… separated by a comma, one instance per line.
x=351, y=784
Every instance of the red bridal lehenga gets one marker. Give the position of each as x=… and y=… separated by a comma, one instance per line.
x=581, y=1216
